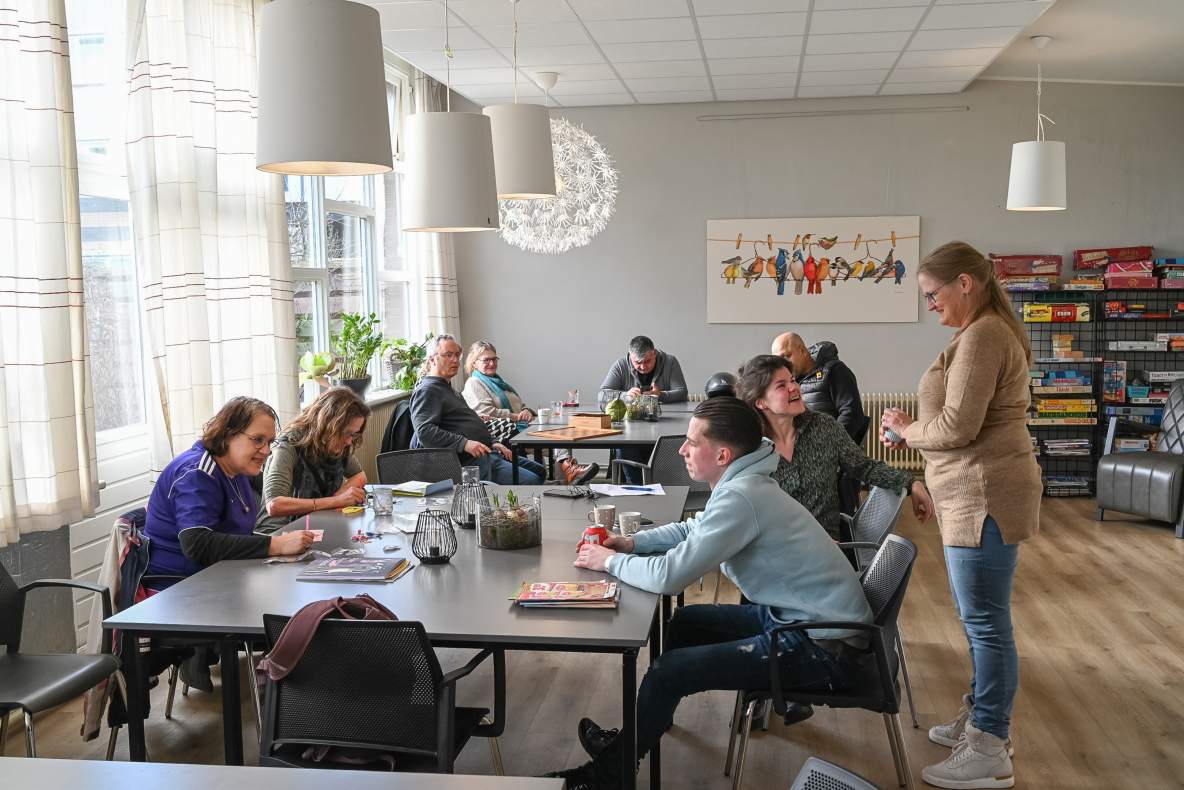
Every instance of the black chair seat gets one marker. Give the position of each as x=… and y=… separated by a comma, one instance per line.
x=467, y=720
x=39, y=682
x=866, y=694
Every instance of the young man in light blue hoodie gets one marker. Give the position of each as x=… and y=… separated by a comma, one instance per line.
x=777, y=554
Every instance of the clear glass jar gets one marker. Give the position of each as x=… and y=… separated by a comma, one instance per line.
x=510, y=522
x=467, y=497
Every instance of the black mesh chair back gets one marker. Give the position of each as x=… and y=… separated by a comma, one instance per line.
x=668, y=468
x=874, y=521
x=429, y=466
x=818, y=774
x=886, y=579
x=1171, y=429
x=369, y=684
x=12, y=612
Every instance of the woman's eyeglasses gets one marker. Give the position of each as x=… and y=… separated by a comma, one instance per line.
x=931, y=296
x=259, y=441
x=486, y=360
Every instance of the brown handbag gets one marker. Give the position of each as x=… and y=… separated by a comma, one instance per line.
x=297, y=634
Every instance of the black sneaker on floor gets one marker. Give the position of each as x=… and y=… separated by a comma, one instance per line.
x=593, y=738
x=589, y=776
x=796, y=712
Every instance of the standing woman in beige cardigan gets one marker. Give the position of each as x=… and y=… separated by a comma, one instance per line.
x=980, y=470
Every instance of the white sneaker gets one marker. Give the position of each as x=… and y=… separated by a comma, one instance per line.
x=953, y=732
x=980, y=760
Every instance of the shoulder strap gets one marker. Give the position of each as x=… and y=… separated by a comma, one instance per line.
x=298, y=633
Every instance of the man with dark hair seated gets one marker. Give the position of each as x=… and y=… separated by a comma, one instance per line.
x=779, y=557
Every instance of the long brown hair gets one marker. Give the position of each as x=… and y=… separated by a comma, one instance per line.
x=324, y=419
x=955, y=258
x=231, y=420
x=754, y=379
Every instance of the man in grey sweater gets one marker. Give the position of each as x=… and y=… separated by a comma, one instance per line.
x=643, y=371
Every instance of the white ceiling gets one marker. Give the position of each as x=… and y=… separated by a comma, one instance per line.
x=653, y=51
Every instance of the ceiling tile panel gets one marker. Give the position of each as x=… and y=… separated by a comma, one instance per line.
x=860, y=77
x=662, y=68
x=661, y=84
x=555, y=56
x=753, y=65
x=752, y=47
x=838, y=5
x=410, y=16
x=951, y=73
x=965, y=38
x=626, y=9
x=657, y=50
x=849, y=60
x=467, y=58
x=483, y=12
x=738, y=81
x=617, y=31
x=526, y=90
x=543, y=34
x=821, y=91
x=430, y=38
x=494, y=76
x=905, y=88
x=747, y=25
x=597, y=100
x=718, y=7
x=1017, y=14
x=674, y=97
x=865, y=21
x=948, y=57
x=855, y=42
x=584, y=87
x=571, y=72
x=755, y=94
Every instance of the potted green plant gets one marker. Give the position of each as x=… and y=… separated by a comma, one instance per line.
x=314, y=367
x=355, y=345
x=404, y=361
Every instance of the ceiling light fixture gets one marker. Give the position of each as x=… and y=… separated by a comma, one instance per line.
x=450, y=186
x=1037, y=181
x=522, y=154
x=322, y=90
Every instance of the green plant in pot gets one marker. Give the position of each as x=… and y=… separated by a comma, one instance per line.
x=355, y=345
x=404, y=360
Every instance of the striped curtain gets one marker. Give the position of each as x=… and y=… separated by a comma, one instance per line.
x=210, y=231
x=47, y=456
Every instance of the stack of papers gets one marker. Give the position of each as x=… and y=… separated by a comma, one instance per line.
x=355, y=569
x=568, y=595
x=606, y=489
x=420, y=488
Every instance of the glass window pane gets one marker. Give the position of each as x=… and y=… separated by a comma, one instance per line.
x=304, y=300
x=347, y=189
x=345, y=245
x=392, y=223
x=112, y=312
x=297, y=198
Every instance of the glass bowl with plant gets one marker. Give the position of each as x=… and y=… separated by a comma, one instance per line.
x=513, y=523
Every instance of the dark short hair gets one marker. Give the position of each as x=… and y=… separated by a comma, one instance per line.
x=731, y=422
x=755, y=377
x=640, y=346
x=231, y=420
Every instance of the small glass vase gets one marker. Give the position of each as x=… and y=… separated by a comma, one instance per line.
x=510, y=523
x=467, y=497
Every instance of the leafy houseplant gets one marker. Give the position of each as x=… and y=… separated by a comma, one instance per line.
x=355, y=345
x=404, y=360
x=316, y=365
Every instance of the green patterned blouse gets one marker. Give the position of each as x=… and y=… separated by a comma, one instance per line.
x=822, y=450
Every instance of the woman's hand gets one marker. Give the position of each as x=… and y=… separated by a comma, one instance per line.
x=503, y=451
x=526, y=415
x=897, y=421
x=922, y=502
x=349, y=497
x=296, y=542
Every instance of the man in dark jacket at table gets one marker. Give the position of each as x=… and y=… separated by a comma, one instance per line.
x=828, y=385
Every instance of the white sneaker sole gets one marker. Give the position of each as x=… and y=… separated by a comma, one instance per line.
x=942, y=740
x=970, y=784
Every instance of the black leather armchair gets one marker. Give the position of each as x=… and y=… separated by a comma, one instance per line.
x=1148, y=484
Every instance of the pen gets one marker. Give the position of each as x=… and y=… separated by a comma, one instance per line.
x=636, y=488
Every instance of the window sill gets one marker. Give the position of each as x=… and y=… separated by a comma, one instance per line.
x=378, y=397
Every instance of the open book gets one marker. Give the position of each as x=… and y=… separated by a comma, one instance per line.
x=419, y=488
x=569, y=595
x=355, y=569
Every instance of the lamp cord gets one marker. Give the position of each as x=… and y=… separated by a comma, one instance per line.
x=515, y=5
x=1040, y=117
x=447, y=63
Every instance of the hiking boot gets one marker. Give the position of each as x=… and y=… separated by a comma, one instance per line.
x=980, y=760
x=576, y=474
x=593, y=738
x=952, y=732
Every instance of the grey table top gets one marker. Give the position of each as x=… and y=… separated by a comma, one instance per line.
x=101, y=775
x=636, y=432
x=462, y=602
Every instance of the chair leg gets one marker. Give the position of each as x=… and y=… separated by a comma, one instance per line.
x=737, y=714
x=719, y=577
x=255, y=704
x=745, y=728
x=30, y=741
x=904, y=670
x=495, y=751
x=1100, y=515
x=3, y=731
x=900, y=757
x=111, y=739
x=168, y=702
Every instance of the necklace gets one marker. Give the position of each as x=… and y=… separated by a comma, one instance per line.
x=237, y=495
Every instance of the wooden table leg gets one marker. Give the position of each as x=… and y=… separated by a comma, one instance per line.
x=232, y=720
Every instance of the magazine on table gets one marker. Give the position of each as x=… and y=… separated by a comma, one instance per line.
x=568, y=595
x=355, y=569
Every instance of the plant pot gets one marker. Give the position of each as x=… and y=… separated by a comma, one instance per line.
x=518, y=527
x=357, y=385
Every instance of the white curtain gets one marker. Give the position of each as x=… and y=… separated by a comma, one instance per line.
x=432, y=252
x=47, y=456
x=210, y=230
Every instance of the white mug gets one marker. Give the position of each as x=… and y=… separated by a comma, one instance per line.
x=603, y=516
x=630, y=521
x=544, y=416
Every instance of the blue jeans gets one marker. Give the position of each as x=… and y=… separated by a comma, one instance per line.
x=629, y=474
x=712, y=646
x=498, y=470
x=980, y=580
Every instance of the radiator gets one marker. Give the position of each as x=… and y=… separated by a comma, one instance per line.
x=874, y=404
x=371, y=441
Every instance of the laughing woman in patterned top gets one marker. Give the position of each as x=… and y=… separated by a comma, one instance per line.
x=814, y=448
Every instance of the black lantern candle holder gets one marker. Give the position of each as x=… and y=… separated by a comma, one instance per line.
x=434, y=541
x=467, y=498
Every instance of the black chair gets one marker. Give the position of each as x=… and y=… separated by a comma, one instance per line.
x=820, y=775
x=34, y=683
x=374, y=685
x=667, y=467
x=884, y=582
x=430, y=466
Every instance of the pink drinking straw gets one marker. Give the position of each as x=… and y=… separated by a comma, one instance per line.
x=307, y=516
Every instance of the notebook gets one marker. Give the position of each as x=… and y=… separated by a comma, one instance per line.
x=355, y=569
x=568, y=595
x=420, y=488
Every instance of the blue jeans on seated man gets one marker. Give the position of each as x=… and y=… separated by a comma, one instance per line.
x=631, y=475
x=980, y=581
x=497, y=469
x=714, y=646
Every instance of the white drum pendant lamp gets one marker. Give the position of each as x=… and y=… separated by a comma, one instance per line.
x=1037, y=181
x=322, y=90
x=522, y=156
x=450, y=185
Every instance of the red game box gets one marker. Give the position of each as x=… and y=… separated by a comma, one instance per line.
x=1020, y=265
x=1100, y=257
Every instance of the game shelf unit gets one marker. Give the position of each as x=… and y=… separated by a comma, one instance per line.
x=1066, y=381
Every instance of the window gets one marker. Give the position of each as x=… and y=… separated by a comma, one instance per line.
x=347, y=248
x=111, y=292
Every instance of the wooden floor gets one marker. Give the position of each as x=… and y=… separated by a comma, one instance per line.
x=1099, y=611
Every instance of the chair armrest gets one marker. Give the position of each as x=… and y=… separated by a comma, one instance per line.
x=98, y=589
x=857, y=544
x=847, y=518
x=616, y=463
x=467, y=669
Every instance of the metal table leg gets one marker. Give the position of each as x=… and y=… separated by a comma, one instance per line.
x=232, y=720
x=514, y=453
x=137, y=695
x=629, y=720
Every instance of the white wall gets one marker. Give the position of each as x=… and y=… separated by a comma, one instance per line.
x=559, y=321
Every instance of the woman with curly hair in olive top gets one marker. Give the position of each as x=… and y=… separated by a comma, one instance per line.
x=814, y=448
